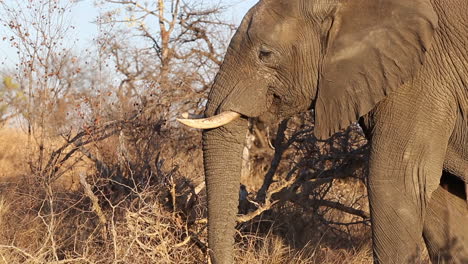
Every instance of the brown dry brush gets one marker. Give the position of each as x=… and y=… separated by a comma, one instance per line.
x=131, y=206
x=313, y=192
x=140, y=190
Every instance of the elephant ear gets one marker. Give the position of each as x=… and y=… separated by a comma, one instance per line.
x=373, y=47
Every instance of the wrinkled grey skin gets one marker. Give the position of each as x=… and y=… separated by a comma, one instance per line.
x=399, y=65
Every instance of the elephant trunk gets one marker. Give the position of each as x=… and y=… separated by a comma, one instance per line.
x=222, y=151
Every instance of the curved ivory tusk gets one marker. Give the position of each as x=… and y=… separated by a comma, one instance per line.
x=212, y=122
x=192, y=116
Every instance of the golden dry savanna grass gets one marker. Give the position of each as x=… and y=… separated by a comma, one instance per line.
x=273, y=249
x=13, y=151
x=18, y=151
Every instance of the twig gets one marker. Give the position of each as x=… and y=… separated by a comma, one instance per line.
x=26, y=254
x=94, y=200
x=245, y=218
x=343, y=208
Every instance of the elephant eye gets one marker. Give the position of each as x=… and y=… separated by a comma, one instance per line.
x=265, y=54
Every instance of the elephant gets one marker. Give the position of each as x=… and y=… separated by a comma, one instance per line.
x=398, y=67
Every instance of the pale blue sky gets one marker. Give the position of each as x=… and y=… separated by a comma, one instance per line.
x=84, y=13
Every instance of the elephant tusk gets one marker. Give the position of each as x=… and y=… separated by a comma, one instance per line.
x=192, y=116
x=212, y=122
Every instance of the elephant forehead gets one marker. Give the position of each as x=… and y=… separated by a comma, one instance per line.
x=283, y=7
x=277, y=31
x=274, y=19
x=271, y=28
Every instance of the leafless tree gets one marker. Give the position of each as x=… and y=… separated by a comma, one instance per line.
x=171, y=49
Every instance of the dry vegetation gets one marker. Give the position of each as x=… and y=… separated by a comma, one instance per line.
x=94, y=170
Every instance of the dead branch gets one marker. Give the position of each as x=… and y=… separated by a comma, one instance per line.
x=279, y=151
x=339, y=206
x=94, y=200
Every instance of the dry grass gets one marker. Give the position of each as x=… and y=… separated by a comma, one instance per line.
x=17, y=152
x=13, y=157
x=273, y=249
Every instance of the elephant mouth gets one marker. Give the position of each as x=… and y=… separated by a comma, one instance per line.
x=226, y=116
x=275, y=107
x=216, y=121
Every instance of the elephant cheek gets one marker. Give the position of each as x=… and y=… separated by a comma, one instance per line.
x=252, y=100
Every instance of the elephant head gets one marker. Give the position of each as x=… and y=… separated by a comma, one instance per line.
x=339, y=57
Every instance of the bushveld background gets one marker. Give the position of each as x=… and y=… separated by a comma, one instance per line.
x=95, y=169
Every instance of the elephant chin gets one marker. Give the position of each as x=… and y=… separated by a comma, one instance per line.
x=212, y=122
